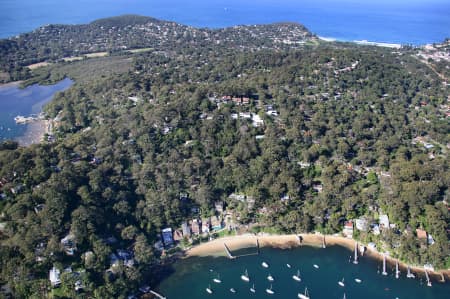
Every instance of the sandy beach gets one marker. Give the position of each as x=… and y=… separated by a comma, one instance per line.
x=216, y=248
x=34, y=132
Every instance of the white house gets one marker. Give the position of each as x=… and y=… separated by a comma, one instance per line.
x=384, y=221
x=55, y=277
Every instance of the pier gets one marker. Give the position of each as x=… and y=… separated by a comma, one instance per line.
x=157, y=295
x=231, y=256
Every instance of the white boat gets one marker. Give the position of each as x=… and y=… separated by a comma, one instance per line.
x=297, y=276
x=344, y=296
x=252, y=289
x=409, y=274
x=245, y=277
x=355, y=259
x=270, y=277
x=288, y=265
x=305, y=295
x=397, y=271
x=384, y=265
x=217, y=279
x=232, y=290
x=270, y=291
x=209, y=290
x=358, y=280
x=316, y=266
x=265, y=265
x=341, y=283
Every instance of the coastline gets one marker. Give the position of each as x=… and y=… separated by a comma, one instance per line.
x=216, y=248
x=34, y=133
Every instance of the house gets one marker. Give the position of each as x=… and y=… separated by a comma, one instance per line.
x=361, y=224
x=216, y=223
x=126, y=256
x=219, y=206
x=68, y=243
x=430, y=240
x=318, y=188
x=421, y=234
x=376, y=229
x=257, y=121
x=384, y=221
x=177, y=235
x=196, y=226
x=55, y=277
x=206, y=225
x=348, y=229
x=167, y=236
x=185, y=229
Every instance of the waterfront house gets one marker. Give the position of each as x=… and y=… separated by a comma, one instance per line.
x=167, y=236
x=177, y=235
x=185, y=229
x=216, y=223
x=348, y=229
x=196, y=226
x=361, y=224
x=206, y=225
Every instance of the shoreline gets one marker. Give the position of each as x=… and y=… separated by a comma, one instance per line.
x=216, y=248
x=34, y=133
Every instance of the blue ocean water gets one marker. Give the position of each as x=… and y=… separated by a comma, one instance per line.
x=15, y=101
x=192, y=276
x=394, y=21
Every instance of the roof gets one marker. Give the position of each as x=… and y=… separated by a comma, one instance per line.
x=421, y=234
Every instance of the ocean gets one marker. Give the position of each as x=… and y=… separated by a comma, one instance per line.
x=392, y=21
x=30, y=100
x=192, y=276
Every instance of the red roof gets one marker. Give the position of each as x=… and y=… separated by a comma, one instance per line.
x=421, y=234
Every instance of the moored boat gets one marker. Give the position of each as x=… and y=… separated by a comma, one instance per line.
x=209, y=290
x=270, y=291
x=358, y=280
x=252, y=289
x=270, y=277
x=341, y=283
x=217, y=279
x=265, y=265
x=245, y=277
x=305, y=295
x=296, y=277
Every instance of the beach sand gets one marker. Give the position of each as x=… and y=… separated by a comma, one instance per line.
x=34, y=133
x=216, y=248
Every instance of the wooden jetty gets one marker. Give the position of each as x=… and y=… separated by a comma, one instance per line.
x=157, y=295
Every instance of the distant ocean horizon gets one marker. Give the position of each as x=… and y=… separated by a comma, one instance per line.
x=391, y=21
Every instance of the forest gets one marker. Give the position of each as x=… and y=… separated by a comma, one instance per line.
x=329, y=132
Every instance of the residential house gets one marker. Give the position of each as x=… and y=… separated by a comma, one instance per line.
x=318, y=188
x=196, y=226
x=167, y=236
x=206, y=225
x=177, y=235
x=384, y=221
x=348, y=229
x=421, y=234
x=55, y=277
x=216, y=223
x=361, y=224
x=68, y=243
x=185, y=229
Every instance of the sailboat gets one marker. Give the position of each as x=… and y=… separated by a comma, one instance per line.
x=232, y=290
x=270, y=291
x=341, y=283
x=397, y=271
x=358, y=280
x=252, y=289
x=209, y=290
x=245, y=277
x=355, y=260
x=265, y=265
x=428, y=279
x=344, y=296
x=288, y=265
x=305, y=295
x=410, y=274
x=297, y=276
x=384, y=265
x=316, y=266
x=270, y=277
x=217, y=279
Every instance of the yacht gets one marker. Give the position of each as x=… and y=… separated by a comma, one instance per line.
x=217, y=279
x=305, y=295
x=245, y=277
x=270, y=291
x=297, y=276
x=209, y=290
x=232, y=290
x=358, y=280
x=252, y=289
x=288, y=265
x=341, y=283
x=270, y=277
x=265, y=265
x=316, y=266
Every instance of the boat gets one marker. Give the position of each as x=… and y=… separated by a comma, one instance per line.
x=232, y=290
x=288, y=265
x=384, y=265
x=355, y=259
x=316, y=266
x=270, y=277
x=245, y=277
x=209, y=290
x=410, y=274
x=428, y=278
x=344, y=296
x=358, y=280
x=397, y=271
x=341, y=283
x=217, y=279
x=297, y=276
x=252, y=289
x=305, y=295
x=270, y=291
x=265, y=265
